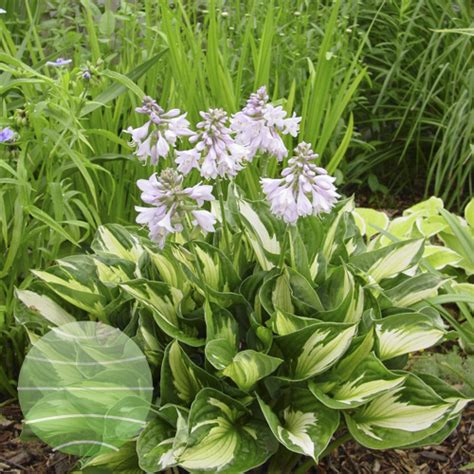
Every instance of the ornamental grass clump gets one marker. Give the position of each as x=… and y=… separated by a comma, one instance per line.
x=273, y=330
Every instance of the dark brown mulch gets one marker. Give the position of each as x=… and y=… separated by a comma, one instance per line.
x=17, y=456
x=393, y=204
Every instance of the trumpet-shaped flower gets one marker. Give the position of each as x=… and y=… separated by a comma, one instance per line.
x=215, y=152
x=259, y=126
x=173, y=206
x=60, y=62
x=303, y=189
x=159, y=134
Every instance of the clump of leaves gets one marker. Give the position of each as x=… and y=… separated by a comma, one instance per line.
x=293, y=334
x=449, y=251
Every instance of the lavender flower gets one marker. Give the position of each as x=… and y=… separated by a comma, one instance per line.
x=304, y=188
x=6, y=135
x=155, y=137
x=59, y=62
x=259, y=126
x=173, y=205
x=215, y=153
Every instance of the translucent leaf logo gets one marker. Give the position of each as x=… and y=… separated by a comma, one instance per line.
x=85, y=388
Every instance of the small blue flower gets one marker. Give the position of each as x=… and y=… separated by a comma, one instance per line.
x=59, y=62
x=86, y=74
x=6, y=135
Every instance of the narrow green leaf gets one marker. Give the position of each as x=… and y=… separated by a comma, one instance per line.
x=115, y=90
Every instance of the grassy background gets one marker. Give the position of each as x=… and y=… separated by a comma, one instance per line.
x=384, y=89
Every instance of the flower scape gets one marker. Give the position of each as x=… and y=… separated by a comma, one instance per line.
x=274, y=327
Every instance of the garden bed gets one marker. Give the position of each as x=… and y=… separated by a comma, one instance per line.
x=17, y=456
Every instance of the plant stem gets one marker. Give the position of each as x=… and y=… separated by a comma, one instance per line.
x=283, y=461
x=196, y=257
x=284, y=248
x=224, y=220
x=335, y=444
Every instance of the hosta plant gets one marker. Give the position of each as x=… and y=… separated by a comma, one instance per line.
x=270, y=342
x=449, y=251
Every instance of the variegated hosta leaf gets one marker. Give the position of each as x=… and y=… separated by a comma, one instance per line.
x=248, y=367
x=469, y=213
x=213, y=274
x=148, y=338
x=312, y=233
x=337, y=286
x=164, y=301
x=259, y=336
x=75, y=280
x=389, y=261
x=116, y=240
x=449, y=395
x=411, y=290
x=181, y=379
x=359, y=349
x=305, y=297
x=222, y=333
x=335, y=233
x=429, y=207
x=122, y=461
x=408, y=225
x=169, y=271
x=313, y=350
x=440, y=257
x=298, y=251
x=407, y=332
x=399, y=417
x=221, y=324
x=459, y=238
x=224, y=436
x=112, y=271
x=262, y=231
x=276, y=293
x=155, y=446
x=342, y=298
x=369, y=380
x=366, y=220
x=400, y=228
x=163, y=439
x=291, y=293
x=219, y=353
x=331, y=241
x=447, y=392
x=356, y=307
x=301, y=423
x=45, y=307
x=439, y=436
x=283, y=323
x=430, y=227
